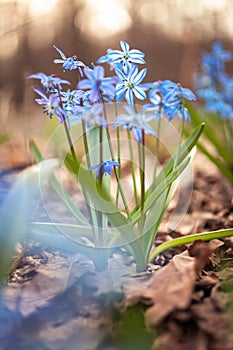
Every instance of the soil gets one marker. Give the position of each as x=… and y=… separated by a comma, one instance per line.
x=54, y=300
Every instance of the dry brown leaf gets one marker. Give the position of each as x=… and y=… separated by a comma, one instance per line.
x=170, y=288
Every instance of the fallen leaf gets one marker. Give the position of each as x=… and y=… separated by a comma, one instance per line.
x=170, y=288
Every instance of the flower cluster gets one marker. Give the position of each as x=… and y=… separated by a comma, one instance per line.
x=86, y=103
x=214, y=84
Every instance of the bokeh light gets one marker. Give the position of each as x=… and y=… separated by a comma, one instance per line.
x=103, y=18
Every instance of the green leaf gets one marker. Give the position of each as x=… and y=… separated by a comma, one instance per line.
x=17, y=207
x=159, y=190
x=211, y=131
x=205, y=236
x=183, y=153
x=103, y=203
x=70, y=238
x=58, y=188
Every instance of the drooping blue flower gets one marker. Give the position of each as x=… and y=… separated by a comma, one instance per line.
x=167, y=99
x=50, y=83
x=105, y=167
x=69, y=63
x=126, y=57
x=50, y=104
x=92, y=115
x=97, y=84
x=129, y=86
x=136, y=122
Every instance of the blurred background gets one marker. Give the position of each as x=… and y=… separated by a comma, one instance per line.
x=172, y=33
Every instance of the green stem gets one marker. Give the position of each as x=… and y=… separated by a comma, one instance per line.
x=115, y=171
x=132, y=168
x=157, y=147
x=66, y=126
x=92, y=212
x=100, y=215
x=86, y=148
x=118, y=154
x=205, y=236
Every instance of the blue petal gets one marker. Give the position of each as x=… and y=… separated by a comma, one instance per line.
x=125, y=47
x=58, y=60
x=120, y=74
x=129, y=96
x=140, y=76
x=137, y=134
x=60, y=52
x=139, y=93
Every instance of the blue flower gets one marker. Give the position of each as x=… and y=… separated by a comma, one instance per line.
x=125, y=57
x=50, y=83
x=136, y=122
x=50, y=104
x=214, y=84
x=91, y=115
x=97, y=85
x=167, y=99
x=70, y=63
x=130, y=85
x=73, y=98
x=105, y=167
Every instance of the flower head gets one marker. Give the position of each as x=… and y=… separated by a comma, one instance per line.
x=50, y=83
x=105, y=167
x=50, y=104
x=92, y=116
x=135, y=122
x=126, y=57
x=129, y=86
x=97, y=84
x=70, y=63
x=167, y=99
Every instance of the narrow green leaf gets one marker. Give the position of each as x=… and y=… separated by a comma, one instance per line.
x=103, y=203
x=220, y=165
x=169, y=166
x=205, y=236
x=159, y=190
x=58, y=188
x=210, y=131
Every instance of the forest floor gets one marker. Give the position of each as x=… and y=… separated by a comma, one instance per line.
x=184, y=300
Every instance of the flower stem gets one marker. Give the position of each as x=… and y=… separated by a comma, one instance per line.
x=157, y=147
x=66, y=126
x=132, y=168
x=115, y=171
x=100, y=215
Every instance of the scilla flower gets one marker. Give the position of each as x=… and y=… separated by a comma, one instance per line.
x=126, y=57
x=50, y=83
x=129, y=86
x=50, y=105
x=105, y=167
x=97, y=84
x=136, y=122
x=70, y=63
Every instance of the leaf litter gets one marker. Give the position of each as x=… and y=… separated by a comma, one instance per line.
x=54, y=300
